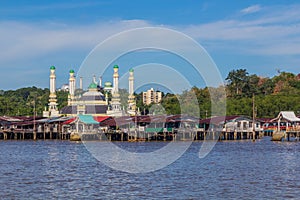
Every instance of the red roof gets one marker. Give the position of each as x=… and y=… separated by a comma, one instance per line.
x=101, y=118
x=69, y=121
x=9, y=119
x=116, y=121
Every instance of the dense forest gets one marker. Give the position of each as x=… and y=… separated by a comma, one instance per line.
x=271, y=95
x=24, y=101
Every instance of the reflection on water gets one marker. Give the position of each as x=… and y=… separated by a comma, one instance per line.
x=62, y=169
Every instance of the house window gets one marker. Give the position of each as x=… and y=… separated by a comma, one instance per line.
x=244, y=125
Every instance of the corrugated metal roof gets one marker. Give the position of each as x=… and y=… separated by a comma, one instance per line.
x=87, y=119
x=101, y=118
x=9, y=119
x=287, y=115
x=218, y=119
x=69, y=121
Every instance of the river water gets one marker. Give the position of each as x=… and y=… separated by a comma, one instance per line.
x=232, y=170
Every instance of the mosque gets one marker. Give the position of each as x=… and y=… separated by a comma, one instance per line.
x=93, y=101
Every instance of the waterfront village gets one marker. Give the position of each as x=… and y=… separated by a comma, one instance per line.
x=91, y=116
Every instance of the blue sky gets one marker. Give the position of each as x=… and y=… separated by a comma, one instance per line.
x=261, y=36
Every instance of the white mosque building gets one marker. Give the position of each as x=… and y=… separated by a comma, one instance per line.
x=93, y=101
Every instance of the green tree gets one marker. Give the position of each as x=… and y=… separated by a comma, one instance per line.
x=237, y=80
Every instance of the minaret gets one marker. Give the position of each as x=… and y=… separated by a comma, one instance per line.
x=116, y=80
x=115, y=101
x=100, y=82
x=94, y=79
x=53, y=112
x=130, y=80
x=131, y=98
x=80, y=83
x=71, y=95
x=52, y=82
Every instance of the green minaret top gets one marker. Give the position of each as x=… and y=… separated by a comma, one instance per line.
x=71, y=71
x=93, y=86
x=52, y=67
x=131, y=70
x=116, y=66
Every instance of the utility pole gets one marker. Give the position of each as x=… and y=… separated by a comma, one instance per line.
x=34, y=128
x=253, y=117
x=136, y=130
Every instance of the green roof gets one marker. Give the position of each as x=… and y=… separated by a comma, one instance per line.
x=157, y=130
x=93, y=85
x=71, y=71
x=116, y=66
x=131, y=70
x=52, y=67
x=87, y=119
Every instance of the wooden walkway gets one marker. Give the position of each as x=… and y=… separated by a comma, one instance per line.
x=175, y=135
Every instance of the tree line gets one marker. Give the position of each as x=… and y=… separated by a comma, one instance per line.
x=271, y=95
x=26, y=101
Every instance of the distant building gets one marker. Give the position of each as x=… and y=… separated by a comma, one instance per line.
x=64, y=87
x=151, y=96
x=93, y=102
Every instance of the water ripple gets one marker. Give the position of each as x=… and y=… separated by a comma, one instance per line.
x=233, y=170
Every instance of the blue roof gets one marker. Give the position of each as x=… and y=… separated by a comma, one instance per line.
x=87, y=119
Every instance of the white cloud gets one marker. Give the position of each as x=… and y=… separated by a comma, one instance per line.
x=33, y=40
x=275, y=32
x=251, y=9
x=277, y=26
x=37, y=46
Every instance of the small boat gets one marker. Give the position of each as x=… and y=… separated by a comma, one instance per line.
x=278, y=135
x=75, y=137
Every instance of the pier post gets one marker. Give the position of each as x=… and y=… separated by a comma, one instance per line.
x=44, y=132
x=34, y=135
x=285, y=136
